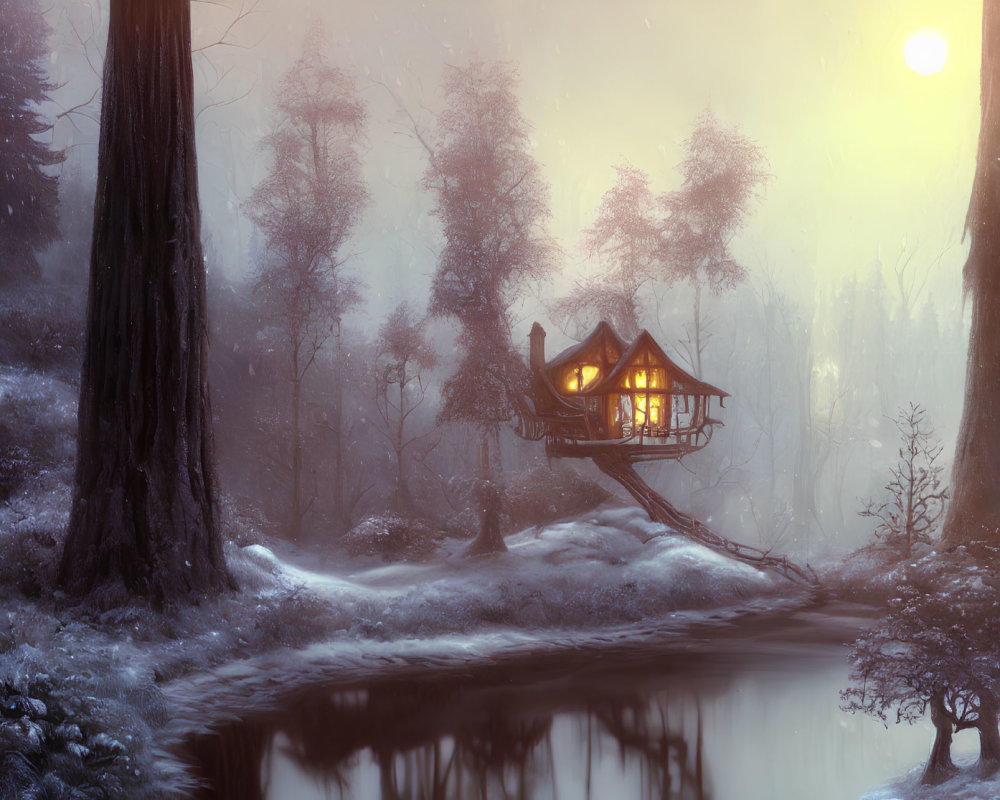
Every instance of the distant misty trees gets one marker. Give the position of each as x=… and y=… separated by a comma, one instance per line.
x=625, y=239
x=305, y=209
x=492, y=203
x=29, y=193
x=678, y=236
x=403, y=359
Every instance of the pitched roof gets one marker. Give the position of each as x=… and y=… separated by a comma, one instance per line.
x=684, y=382
x=603, y=337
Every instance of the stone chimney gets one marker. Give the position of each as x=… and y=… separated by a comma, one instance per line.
x=536, y=350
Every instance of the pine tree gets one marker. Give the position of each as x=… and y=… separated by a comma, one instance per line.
x=29, y=195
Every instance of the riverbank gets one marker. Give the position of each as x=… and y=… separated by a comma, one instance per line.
x=95, y=698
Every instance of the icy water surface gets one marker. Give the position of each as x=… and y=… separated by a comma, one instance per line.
x=740, y=720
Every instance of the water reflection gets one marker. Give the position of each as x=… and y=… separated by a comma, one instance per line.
x=690, y=729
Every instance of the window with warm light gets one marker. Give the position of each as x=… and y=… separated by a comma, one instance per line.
x=582, y=377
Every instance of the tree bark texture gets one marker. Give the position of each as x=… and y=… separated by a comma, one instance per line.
x=143, y=519
x=939, y=766
x=487, y=493
x=974, y=512
x=989, y=734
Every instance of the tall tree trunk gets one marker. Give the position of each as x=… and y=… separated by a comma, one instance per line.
x=143, y=519
x=939, y=766
x=297, y=512
x=974, y=512
x=989, y=734
x=339, y=499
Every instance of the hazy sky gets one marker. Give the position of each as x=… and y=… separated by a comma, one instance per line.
x=866, y=154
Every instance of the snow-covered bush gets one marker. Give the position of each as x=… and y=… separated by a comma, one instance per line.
x=392, y=538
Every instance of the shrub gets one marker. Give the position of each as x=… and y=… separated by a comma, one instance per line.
x=392, y=538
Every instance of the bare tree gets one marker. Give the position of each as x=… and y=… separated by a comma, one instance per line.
x=403, y=356
x=916, y=500
x=143, y=517
x=936, y=651
x=306, y=208
x=493, y=204
x=723, y=172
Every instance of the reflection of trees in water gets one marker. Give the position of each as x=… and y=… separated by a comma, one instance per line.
x=429, y=741
x=642, y=728
x=498, y=757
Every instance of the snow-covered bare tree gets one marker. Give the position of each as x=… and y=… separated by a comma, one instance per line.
x=493, y=204
x=935, y=651
x=306, y=208
x=916, y=499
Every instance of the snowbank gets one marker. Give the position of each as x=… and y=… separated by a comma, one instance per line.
x=113, y=684
x=966, y=785
x=606, y=567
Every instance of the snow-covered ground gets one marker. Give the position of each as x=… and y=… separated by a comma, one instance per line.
x=133, y=680
x=966, y=785
x=607, y=567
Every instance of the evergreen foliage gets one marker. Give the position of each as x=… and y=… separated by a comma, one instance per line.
x=29, y=194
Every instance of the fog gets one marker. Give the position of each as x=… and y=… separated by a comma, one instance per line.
x=853, y=304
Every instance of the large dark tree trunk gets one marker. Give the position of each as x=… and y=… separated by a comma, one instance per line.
x=989, y=734
x=143, y=520
x=939, y=766
x=974, y=513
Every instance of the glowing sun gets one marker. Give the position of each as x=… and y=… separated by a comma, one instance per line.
x=925, y=51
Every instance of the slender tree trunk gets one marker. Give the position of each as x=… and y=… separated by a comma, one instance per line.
x=339, y=501
x=143, y=518
x=404, y=501
x=974, y=511
x=697, y=331
x=296, y=504
x=939, y=766
x=489, y=539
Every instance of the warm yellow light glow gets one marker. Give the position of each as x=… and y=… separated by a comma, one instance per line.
x=925, y=51
x=581, y=377
x=639, y=412
x=648, y=408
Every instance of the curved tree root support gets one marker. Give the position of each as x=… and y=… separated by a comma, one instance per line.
x=618, y=466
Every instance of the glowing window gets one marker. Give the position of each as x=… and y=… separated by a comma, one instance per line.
x=581, y=377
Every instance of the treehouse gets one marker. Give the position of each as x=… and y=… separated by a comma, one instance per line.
x=604, y=395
